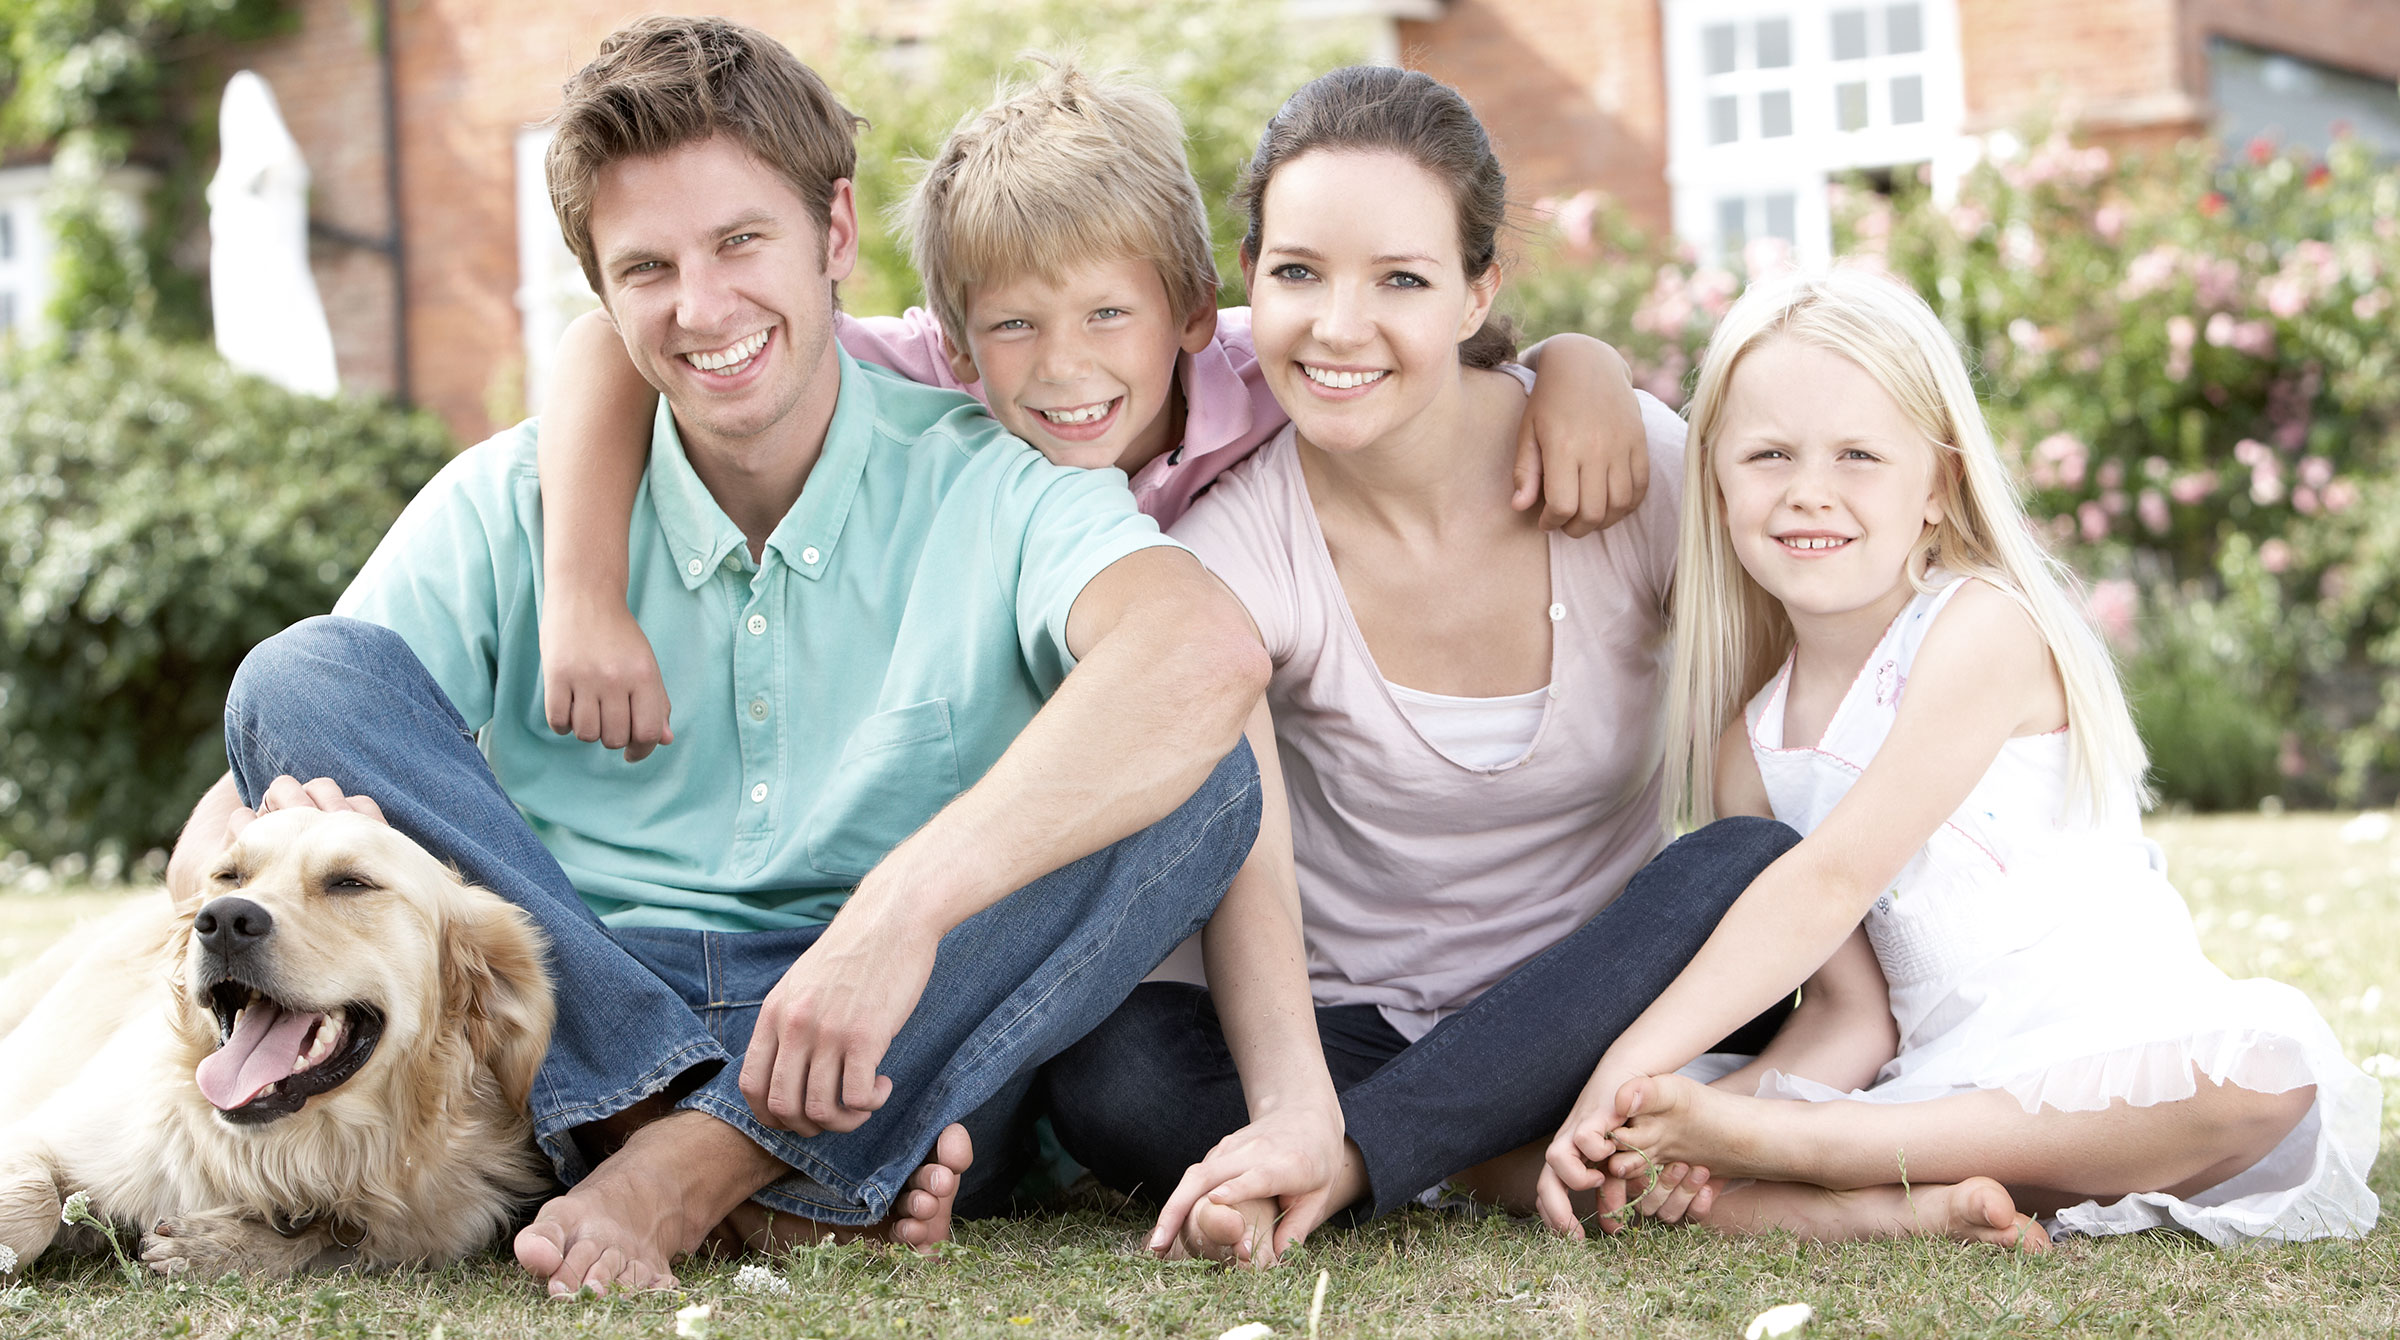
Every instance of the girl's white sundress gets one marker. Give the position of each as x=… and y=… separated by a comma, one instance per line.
x=2045, y=954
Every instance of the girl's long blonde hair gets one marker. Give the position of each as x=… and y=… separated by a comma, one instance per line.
x=1731, y=636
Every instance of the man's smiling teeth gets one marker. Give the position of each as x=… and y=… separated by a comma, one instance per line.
x=1341, y=381
x=740, y=351
x=1814, y=541
x=1087, y=414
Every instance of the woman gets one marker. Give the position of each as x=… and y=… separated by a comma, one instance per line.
x=1467, y=711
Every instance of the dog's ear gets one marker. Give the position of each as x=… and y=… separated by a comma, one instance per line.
x=495, y=977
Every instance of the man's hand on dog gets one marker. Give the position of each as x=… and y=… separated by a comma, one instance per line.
x=825, y=1027
x=290, y=793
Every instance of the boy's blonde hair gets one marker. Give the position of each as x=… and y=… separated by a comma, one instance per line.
x=1066, y=169
x=1731, y=636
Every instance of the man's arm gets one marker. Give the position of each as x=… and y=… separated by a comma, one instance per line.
x=1167, y=669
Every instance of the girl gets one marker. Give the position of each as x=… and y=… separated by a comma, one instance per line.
x=1947, y=733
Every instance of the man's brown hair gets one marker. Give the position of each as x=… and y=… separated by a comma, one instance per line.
x=666, y=82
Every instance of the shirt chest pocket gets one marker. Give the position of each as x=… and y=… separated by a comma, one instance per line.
x=897, y=770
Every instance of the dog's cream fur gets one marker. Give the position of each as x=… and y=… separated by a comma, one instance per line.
x=421, y=1156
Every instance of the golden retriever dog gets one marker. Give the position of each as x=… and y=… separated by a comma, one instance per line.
x=324, y=1059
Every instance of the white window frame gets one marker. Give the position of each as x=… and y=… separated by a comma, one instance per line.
x=551, y=289
x=25, y=270
x=1704, y=176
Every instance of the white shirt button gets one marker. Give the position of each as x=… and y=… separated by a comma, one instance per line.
x=809, y=555
x=758, y=709
x=733, y=562
x=758, y=794
x=1557, y=612
x=695, y=567
x=757, y=624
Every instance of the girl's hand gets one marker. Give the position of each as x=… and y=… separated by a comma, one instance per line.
x=1578, y=1156
x=1287, y=1159
x=600, y=679
x=1582, y=451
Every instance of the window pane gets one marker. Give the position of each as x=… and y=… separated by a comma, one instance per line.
x=1724, y=120
x=1775, y=114
x=8, y=236
x=1781, y=222
x=1908, y=100
x=1716, y=48
x=1904, y=29
x=1850, y=106
x=1732, y=214
x=1849, y=34
x=1774, y=43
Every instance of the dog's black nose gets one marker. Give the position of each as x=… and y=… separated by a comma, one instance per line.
x=230, y=925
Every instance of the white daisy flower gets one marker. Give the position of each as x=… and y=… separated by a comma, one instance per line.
x=759, y=1279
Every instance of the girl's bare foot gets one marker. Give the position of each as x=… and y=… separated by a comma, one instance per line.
x=920, y=1216
x=1239, y=1234
x=1676, y=1120
x=1975, y=1210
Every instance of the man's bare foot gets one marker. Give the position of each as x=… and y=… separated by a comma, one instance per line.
x=1239, y=1234
x=920, y=1216
x=648, y=1203
x=1676, y=1120
x=1975, y=1210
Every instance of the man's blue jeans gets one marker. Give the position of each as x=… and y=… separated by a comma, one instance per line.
x=669, y=1012
x=1146, y=1094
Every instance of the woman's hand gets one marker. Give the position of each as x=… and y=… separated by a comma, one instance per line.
x=1276, y=1174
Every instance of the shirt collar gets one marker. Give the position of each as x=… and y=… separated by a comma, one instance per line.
x=700, y=535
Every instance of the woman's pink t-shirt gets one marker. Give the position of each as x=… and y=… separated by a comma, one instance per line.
x=1424, y=881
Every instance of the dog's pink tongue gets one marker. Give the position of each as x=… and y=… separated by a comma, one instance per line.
x=264, y=1047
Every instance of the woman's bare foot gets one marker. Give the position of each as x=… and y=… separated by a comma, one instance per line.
x=1676, y=1120
x=651, y=1201
x=920, y=1216
x=1239, y=1234
x=1975, y=1210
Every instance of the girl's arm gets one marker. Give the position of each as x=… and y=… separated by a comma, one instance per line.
x=1258, y=976
x=599, y=676
x=1842, y=1031
x=1982, y=676
x=1582, y=451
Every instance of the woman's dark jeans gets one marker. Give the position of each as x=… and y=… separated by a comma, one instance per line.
x=1149, y=1092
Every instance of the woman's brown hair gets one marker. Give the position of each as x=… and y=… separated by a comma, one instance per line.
x=1370, y=107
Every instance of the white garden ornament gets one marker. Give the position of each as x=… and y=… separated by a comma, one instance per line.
x=269, y=318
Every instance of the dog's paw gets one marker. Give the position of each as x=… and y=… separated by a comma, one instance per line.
x=212, y=1244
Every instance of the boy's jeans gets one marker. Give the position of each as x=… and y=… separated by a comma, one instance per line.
x=651, y=1011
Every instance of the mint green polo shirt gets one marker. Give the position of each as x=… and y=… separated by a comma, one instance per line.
x=908, y=619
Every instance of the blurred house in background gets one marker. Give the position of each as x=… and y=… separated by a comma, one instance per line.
x=1719, y=119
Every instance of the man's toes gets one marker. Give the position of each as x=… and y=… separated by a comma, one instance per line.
x=954, y=1149
x=541, y=1248
x=933, y=1179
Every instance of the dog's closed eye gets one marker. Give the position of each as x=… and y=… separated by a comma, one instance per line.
x=349, y=882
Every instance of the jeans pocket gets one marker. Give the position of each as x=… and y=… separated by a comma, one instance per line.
x=896, y=771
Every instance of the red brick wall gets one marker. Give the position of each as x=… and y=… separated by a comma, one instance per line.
x=2102, y=63
x=1573, y=92
x=471, y=75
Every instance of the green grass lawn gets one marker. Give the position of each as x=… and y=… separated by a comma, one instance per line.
x=2285, y=897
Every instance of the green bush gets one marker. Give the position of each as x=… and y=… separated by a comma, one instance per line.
x=2190, y=359
x=160, y=514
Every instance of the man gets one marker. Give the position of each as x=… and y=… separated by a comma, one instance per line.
x=866, y=598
